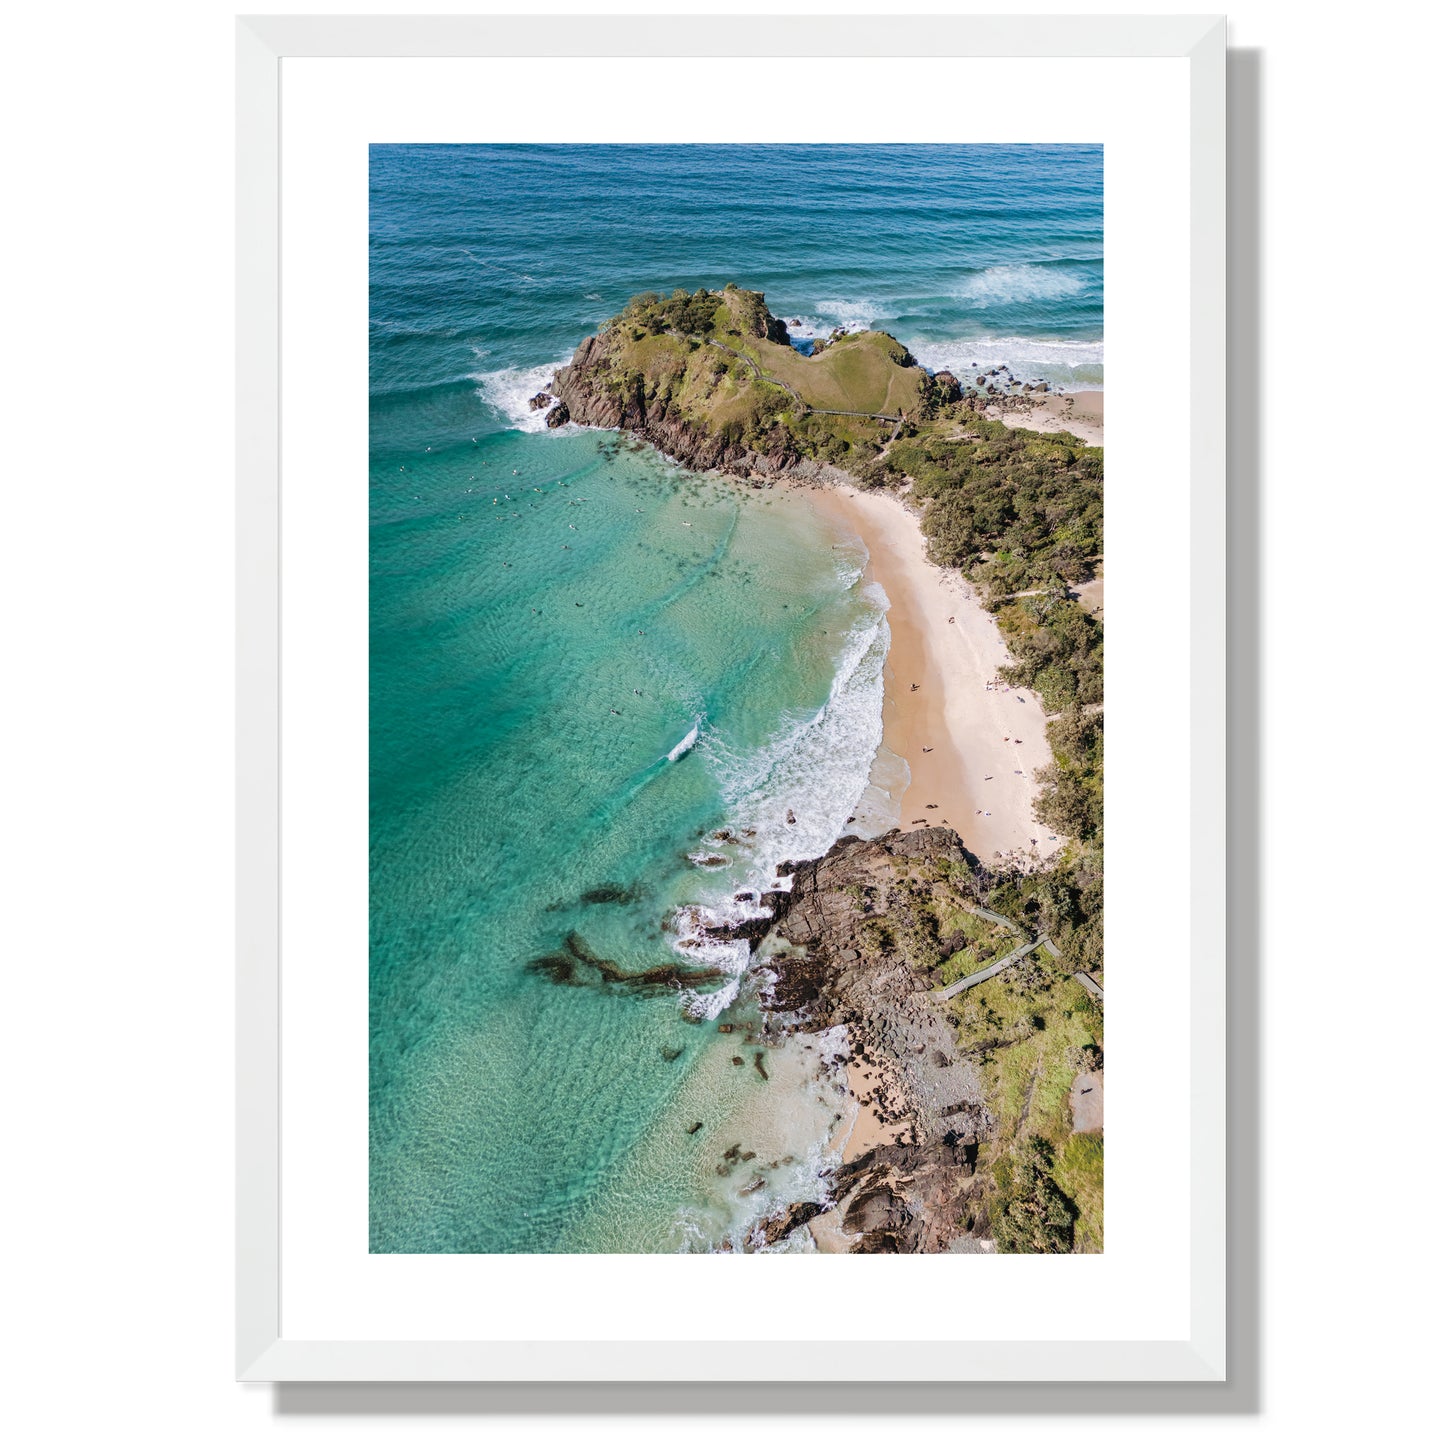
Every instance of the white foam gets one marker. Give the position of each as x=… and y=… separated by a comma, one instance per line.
x=510, y=390
x=1006, y=285
x=855, y=314
x=1072, y=365
x=818, y=765
x=815, y=767
x=687, y=744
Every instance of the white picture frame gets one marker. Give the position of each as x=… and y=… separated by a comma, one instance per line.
x=263, y=1351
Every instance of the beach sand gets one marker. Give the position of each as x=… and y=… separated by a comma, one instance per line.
x=1078, y=412
x=859, y=1133
x=981, y=746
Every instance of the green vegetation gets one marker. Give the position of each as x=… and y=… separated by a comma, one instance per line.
x=721, y=361
x=1020, y=513
x=1015, y=509
x=1079, y=1171
x=986, y=941
x=1030, y=1214
x=1029, y=1031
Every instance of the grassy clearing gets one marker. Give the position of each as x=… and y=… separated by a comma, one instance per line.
x=1040, y=1021
x=986, y=941
x=862, y=372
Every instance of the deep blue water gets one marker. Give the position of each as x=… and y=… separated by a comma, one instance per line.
x=585, y=661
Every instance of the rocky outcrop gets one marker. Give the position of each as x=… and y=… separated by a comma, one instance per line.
x=577, y=965
x=859, y=953
x=593, y=393
x=946, y=387
x=778, y=1227
x=910, y=1198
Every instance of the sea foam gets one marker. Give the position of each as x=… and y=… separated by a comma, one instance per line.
x=815, y=768
x=511, y=389
x=1010, y=285
x=1070, y=365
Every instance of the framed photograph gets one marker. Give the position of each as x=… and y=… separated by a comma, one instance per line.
x=672, y=508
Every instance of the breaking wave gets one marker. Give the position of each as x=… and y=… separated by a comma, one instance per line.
x=510, y=391
x=1010, y=285
x=792, y=798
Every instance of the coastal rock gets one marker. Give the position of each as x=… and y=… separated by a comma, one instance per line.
x=777, y=1227
x=559, y=415
x=947, y=387
x=541, y=399
x=608, y=893
x=844, y=920
x=576, y=965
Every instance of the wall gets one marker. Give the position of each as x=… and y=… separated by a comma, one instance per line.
x=117, y=599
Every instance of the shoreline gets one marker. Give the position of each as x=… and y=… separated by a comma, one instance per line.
x=978, y=779
x=1078, y=412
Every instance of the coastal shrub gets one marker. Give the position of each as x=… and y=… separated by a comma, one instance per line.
x=1030, y=1214
x=876, y=935
x=1000, y=490
x=872, y=473
x=1067, y=640
x=1077, y=738
x=1067, y=803
x=650, y=314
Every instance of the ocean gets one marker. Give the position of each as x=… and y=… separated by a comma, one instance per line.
x=602, y=685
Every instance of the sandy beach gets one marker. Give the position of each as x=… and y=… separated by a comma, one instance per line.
x=971, y=750
x=1078, y=412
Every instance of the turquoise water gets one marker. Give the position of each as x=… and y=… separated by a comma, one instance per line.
x=585, y=661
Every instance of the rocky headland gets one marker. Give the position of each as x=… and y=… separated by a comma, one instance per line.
x=714, y=380
x=856, y=942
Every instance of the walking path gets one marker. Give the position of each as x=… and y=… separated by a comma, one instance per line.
x=942, y=995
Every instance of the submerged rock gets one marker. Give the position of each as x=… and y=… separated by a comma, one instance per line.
x=609, y=893
x=580, y=965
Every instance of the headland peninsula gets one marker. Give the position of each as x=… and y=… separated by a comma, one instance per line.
x=962, y=952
